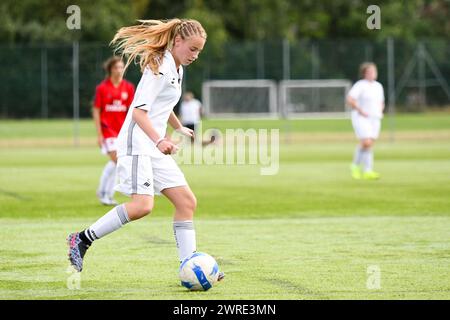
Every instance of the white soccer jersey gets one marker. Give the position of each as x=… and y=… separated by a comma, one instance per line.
x=158, y=94
x=369, y=96
x=190, y=111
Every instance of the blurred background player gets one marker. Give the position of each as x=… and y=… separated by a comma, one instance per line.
x=113, y=97
x=366, y=97
x=191, y=114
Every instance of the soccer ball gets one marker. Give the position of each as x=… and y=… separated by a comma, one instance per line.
x=199, y=272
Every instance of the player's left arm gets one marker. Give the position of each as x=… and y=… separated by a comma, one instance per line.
x=176, y=124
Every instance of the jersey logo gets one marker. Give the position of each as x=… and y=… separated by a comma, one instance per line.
x=117, y=106
x=124, y=95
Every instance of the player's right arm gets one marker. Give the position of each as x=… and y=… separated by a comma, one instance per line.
x=351, y=99
x=354, y=104
x=96, y=109
x=98, y=126
x=143, y=121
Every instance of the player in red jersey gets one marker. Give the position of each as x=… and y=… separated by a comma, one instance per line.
x=113, y=97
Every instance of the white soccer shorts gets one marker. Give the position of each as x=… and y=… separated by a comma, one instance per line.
x=143, y=174
x=109, y=145
x=366, y=128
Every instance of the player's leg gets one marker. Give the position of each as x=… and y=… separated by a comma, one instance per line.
x=170, y=181
x=134, y=173
x=109, y=194
x=105, y=190
x=367, y=159
x=185, y=203
x=356, y=164
x=360, y=126
x=79, y=242
x=108, y=171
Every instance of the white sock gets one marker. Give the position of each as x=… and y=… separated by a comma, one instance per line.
x=108, y=170
x=111, y=182
x=113, y=220
x=367, y=160
x=357, y=155
x=185, y=237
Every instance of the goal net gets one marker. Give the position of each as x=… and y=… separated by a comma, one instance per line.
x=313, y=98
x=237, y=98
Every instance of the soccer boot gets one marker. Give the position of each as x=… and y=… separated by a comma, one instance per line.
x=356, y=171
x=371, y=175
x=77, y=250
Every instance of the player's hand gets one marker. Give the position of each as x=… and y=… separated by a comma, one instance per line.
x=363, y=113
x=185, y=131
x=100, y=140
x=167, y=147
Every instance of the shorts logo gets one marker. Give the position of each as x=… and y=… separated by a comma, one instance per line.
x=147, y=183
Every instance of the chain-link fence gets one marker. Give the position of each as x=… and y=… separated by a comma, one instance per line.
x=38, y=81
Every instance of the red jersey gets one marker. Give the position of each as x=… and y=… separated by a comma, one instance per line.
x=113, y=103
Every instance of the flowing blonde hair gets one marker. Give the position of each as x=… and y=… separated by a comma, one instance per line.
x=146, y=43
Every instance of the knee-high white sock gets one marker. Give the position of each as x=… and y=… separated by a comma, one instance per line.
x=110, y=183
x=111, y=221
x=185, y=237
x=367, y=160
x=357, y=155
x=108, y=170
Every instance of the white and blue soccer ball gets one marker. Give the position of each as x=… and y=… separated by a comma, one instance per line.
x=199, y=272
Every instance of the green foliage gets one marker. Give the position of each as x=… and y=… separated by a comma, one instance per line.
x=34, y=20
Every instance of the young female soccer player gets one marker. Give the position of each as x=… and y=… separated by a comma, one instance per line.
x=366, y=97
x=113, y=96
x=144, y=165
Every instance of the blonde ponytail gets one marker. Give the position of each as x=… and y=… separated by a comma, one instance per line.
x=146, y=43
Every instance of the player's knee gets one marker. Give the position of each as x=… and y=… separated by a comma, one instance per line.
x=188, y=205
x=191, y=203
x=146, y=209
x=113, y=156
x=366, y=144
x=143, y=208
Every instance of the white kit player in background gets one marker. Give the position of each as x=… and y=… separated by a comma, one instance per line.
x=144, y=165
x=366, y=97
x=190, y=110
x=191, y=114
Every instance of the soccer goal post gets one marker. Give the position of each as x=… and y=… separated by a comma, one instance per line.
x=240, y=98
x=314, y=98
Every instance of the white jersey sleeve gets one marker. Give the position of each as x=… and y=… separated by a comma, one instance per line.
x=148, y=90
x=355, y=90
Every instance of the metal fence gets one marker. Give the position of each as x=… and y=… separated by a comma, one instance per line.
x=58, y=80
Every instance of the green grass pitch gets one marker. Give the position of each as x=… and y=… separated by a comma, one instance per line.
x=309, y=232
